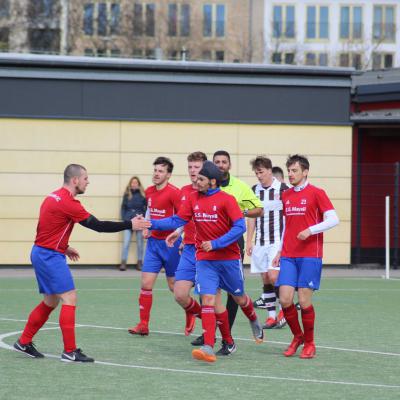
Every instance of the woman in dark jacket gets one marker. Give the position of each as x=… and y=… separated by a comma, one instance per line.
x=133, y=203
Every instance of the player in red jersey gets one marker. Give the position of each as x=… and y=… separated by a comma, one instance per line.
x=58, y=214
x=308, y=213
x=219, y=223
x=163, y=200
x=186, y=270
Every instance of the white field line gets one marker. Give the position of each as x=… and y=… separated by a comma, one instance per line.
x=202, y=372
x=236, y=338
x=167, y=290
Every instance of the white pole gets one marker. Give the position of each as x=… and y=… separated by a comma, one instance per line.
x=387, y=235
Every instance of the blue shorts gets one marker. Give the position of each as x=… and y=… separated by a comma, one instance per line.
x=52, y=272
x=215, y=274
x=159, y=255
x=186, y=270
x=303, y=272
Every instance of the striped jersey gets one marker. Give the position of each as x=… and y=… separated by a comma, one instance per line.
x=269, y=227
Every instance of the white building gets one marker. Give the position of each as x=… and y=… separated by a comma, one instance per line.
x=363, y=34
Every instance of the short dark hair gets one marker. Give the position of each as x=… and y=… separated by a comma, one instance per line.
x=222, y=153
x=197, y=156
x=261, y=162
x=302, y=160
x=278, y=171
x=72, y=170
x=166, y=162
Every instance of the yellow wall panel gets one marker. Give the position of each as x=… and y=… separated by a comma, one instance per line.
x=177, y=137
x=34, y=161
x=18, y=207
x=34, y=154
x=42, y=184
x=39, y=134
x=336, y=253
x=278, y=139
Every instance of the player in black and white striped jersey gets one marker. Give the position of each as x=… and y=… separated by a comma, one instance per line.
x=268, y=233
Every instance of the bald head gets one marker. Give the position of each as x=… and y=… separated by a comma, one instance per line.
x=73, y=170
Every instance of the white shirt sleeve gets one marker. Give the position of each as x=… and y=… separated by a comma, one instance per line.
x=330, y=220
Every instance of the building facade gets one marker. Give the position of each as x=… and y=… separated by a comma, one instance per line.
x=358, y=33
x=208, y=30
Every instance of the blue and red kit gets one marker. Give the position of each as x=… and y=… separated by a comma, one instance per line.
x=161, y=204
x=217, y=218
x=58, y=214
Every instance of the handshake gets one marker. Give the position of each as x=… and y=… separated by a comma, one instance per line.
x=140, y=223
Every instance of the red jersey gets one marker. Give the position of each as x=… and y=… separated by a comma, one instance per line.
x=213, y=217
x=303, y=209
x=162, y=204
x=58, y=214
x=189, y=229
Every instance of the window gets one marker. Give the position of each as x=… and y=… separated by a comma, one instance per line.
x=115, y=53
x=41, y=8
x=210, y=55
x=88, y=19
x=4, y=8
x=285, y=58
x=350, y=23
x=283, y=22
x=184, y=20
x=172, y=19
x=150, y=53
x=101, y=53
x=382, y=60
x=89, y=52
x=144, y=19
x=137, y=53
x=150, y=20
x=315, y=58
x=214, y=20
x=4, y=39
x=44, y=40
x=102, y=19
x=384, y=26
x=317, y=22
x=219, y=55
x=350, y=60
x=115, y=18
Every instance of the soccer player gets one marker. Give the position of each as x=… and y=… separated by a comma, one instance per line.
x=163, y=200
x=268, y=229
x=58, y=214
x=308, y=213
x=186, y=270
x=250, y=206
x=277, y=172
x=219, y=223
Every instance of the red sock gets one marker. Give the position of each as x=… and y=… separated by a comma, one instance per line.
x=193, y=308
x=248, y=309
x=308, y=318
x=145, y=303
x=67, y=325
x=208, y=324
x=292, y=319
x=223, y=325
x=37, y=318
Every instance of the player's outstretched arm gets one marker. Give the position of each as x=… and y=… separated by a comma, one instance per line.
x=105, y=226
